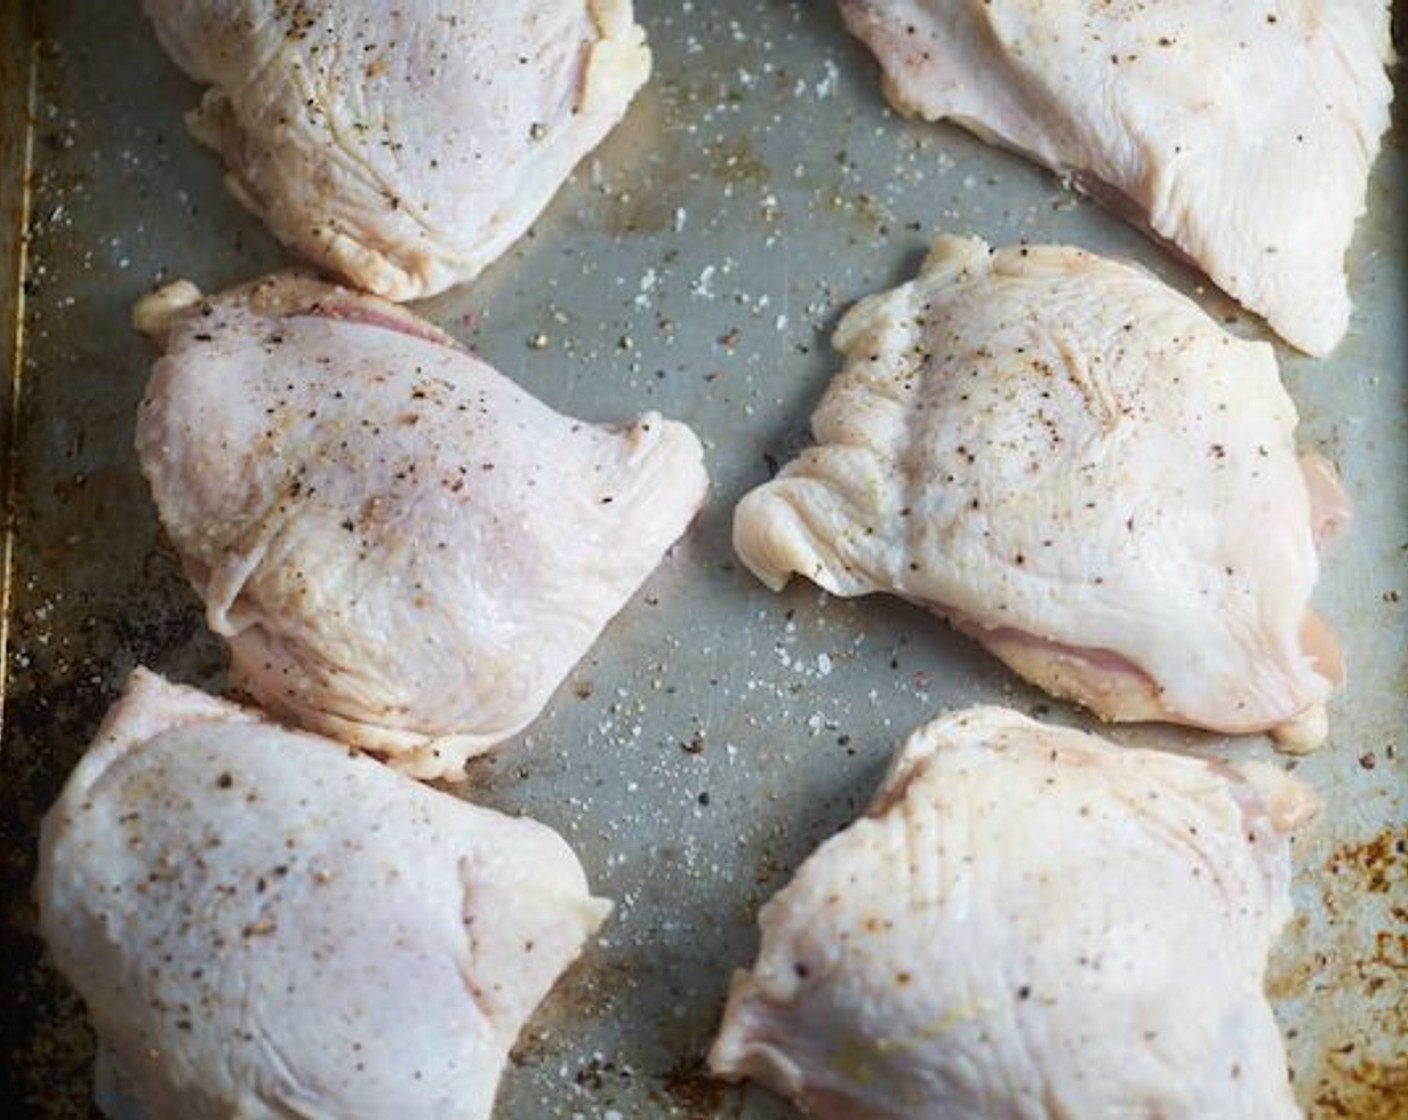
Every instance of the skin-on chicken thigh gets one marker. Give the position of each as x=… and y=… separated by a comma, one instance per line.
x=1077, y=467
x=1030, y=923
x=404, y=550
x=1242, y=134
x=264, y=925
x=403, y=145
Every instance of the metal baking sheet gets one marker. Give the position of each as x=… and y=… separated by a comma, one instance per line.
x=696, y=264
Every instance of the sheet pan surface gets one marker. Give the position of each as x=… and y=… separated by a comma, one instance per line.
x=695, y=264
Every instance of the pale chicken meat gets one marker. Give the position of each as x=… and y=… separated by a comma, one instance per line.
x=1241, y=134
x=1076, y=466
x=403, y=549
x=262, y=924
x=405, y=145
x=1030, y=923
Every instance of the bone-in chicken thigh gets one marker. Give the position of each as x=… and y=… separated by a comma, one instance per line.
x=1076, y=466
x=1242, y=134
x=262, y=924
x=404, y=550
x=1030, y=923
x=403, y=145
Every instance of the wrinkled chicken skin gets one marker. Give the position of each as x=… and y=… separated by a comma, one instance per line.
x=404, y=550
x=1077, y=467
x=263, y=925
x=1030, y=923
x=404, y=146
x=1242, y=134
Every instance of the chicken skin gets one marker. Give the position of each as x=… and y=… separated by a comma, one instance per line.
x=406, y=145
x=262, y=924
x=1240, y=134
x=1074, y=465
x=404, y=550
x=1030, y=923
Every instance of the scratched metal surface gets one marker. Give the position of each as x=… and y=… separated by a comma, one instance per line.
x=695, y=264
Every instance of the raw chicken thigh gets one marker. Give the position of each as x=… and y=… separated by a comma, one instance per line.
x=1029, y=924
x=404, y=549
x=1076, y=466
x=403, y=145
x=1240, y=133
x=262, y=924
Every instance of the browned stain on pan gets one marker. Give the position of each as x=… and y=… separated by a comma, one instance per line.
x=1356, y=1082
x=1365, y=1090
x=1380, y=863
x=691, y=1091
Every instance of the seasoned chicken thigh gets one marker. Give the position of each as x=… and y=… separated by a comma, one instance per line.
x=1029, y=924
x=404, y=549
x=1076, y=466
x=403, y=145
x=263, y=925
x=1240, y=133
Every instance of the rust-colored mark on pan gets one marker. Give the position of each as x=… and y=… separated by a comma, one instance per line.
x=691, y=1090
x=1353, y=1081
x=1364, y=1090
x=1380, y=863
